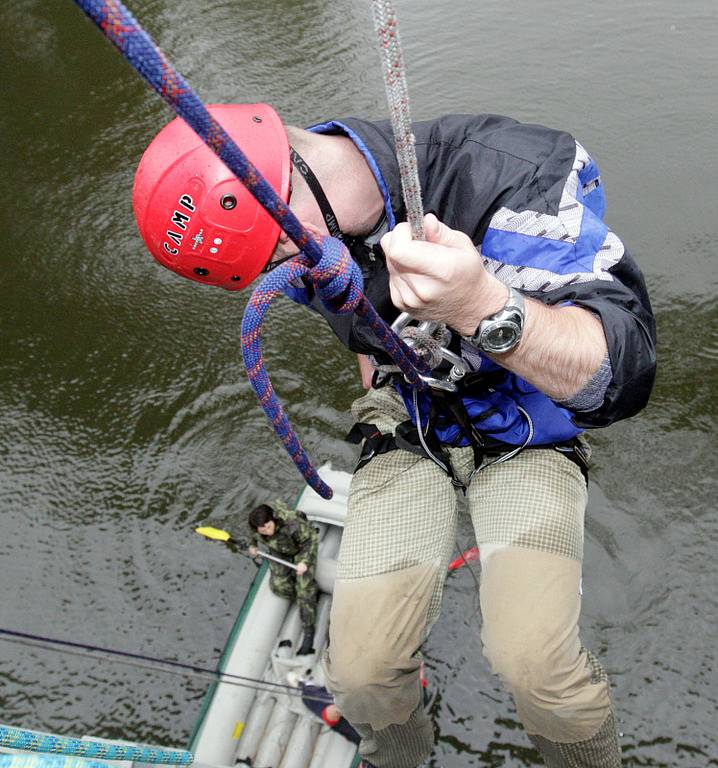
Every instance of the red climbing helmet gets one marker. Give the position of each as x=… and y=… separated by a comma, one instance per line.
x=195, y=216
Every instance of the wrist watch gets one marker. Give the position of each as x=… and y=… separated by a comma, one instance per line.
x=501, y=332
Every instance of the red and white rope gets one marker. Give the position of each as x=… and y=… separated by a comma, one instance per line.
x=397, y=94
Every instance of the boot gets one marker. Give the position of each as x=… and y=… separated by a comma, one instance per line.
x=307, y=646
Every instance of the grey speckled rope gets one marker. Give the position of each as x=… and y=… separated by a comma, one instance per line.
x=398, y=96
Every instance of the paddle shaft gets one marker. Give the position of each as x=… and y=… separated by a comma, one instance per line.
x=277, y=560
x=216, y=534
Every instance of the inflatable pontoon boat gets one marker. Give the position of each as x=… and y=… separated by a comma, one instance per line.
x=269, y=728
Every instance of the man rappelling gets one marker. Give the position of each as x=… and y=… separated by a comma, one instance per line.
x=549, y=315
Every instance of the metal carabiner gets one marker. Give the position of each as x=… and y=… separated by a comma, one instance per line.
x=458, y=366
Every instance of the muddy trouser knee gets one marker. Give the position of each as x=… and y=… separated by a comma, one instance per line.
x=528, y=517
x=397, y=541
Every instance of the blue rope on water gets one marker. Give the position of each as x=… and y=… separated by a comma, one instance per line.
x=120, y=27
x=32, y=741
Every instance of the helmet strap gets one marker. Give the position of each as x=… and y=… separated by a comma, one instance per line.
x=274, y=264
x=330, y=218
x=325, y=207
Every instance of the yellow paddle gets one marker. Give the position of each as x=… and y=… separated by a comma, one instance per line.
x=213, y=533
x=217, y=534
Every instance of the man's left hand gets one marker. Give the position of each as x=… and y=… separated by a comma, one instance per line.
x=301, y=569
x=442, y=278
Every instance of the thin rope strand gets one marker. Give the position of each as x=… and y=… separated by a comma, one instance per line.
x=141, y=661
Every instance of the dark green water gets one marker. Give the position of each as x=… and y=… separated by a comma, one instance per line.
x=126, y=418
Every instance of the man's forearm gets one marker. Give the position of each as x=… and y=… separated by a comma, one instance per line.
x=561, y=347
x=560, y=350
x=443, y=279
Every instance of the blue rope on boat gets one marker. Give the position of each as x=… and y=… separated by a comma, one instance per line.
x=22, y=760
x=33, y=741
x=121, y=28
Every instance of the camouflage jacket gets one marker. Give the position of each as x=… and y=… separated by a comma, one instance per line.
x=295, y=538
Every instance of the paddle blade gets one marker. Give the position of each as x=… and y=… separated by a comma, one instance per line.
x=213, y=533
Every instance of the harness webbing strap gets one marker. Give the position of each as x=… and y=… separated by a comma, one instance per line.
x=374, y=443
x=453, y=403
x=405, y=438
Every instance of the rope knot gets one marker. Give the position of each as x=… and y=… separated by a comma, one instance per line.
x=337, y=278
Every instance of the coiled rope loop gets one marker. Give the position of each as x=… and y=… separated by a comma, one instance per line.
x=337, y=278
x=338, y=282
x=125, y=33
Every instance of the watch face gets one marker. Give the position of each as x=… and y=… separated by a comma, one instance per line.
x=501, y=336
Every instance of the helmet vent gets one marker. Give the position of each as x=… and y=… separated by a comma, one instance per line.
x=228, y=202
x=236, y=278
x=201, y=271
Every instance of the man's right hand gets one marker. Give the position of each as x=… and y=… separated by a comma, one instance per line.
x=253, y=551
x=442, y=278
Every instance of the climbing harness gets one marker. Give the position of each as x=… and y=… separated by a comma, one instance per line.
x=421, y=440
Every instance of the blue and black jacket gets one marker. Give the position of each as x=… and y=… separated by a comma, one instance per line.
x=532, y=201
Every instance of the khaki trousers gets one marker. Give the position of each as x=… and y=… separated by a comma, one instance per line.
x=398, y=539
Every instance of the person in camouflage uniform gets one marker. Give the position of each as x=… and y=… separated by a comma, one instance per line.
x=288, y=534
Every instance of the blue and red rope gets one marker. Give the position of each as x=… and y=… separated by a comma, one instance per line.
x=327, y=263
